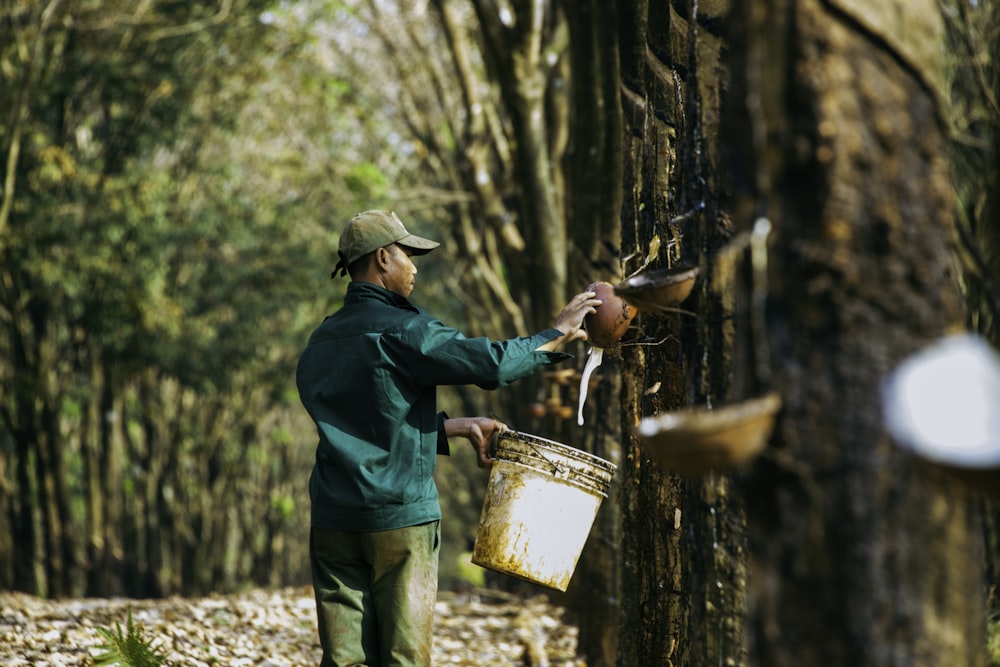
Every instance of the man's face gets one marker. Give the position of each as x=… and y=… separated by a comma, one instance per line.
x=401, y=273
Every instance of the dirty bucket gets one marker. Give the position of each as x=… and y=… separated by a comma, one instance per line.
x=541, y=502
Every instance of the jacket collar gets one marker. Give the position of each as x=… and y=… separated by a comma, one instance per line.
x=359, y=292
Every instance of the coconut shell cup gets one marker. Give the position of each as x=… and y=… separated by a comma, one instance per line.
x=608, y=324
x=697, y=441
x=659, y=289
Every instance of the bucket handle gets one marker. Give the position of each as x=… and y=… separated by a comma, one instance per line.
x=555, y=467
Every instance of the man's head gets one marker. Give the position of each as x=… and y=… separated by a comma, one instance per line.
x=383, y=231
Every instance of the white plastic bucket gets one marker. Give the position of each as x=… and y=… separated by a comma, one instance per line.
x=541, y=502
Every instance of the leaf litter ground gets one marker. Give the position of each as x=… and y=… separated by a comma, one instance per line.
x=273, y=629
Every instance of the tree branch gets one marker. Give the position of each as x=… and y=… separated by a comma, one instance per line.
x=19, y=114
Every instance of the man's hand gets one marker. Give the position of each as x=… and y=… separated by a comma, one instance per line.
x=478, y=431
x=570, y=320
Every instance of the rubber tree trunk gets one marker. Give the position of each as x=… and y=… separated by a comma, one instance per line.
x=683, y=553
x=859, y=556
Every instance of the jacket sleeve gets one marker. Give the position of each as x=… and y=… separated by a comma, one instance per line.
x=435, y=354
x=443, y=448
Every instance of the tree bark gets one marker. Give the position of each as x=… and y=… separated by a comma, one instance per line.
x=859, y=556
x=684, y=540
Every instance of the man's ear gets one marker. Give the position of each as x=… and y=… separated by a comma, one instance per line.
x=382, y=258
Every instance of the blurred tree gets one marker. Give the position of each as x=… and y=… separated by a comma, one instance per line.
x=150, y=290
x=828, y=518
x=859, y=557
x=83, y=105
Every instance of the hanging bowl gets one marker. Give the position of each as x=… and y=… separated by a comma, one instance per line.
x=697, y=441
x=658, y=289
x=940, y=404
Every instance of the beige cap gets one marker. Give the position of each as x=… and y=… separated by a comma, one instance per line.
x=371, y=230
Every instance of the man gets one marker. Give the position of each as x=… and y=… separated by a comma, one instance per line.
x=368, y=378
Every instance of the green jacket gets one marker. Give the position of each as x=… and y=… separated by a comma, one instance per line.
x=369, y=379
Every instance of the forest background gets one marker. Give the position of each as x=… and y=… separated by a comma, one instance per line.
x=175, y=178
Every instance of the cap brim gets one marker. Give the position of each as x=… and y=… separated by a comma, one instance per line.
x=418, y=244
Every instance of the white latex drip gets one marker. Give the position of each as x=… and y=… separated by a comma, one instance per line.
x=596, y=355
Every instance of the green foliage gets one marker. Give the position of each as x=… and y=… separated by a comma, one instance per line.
x=469, y=572
x=993, y=640
x=368, y=181
x=284, y=505
x=181, y=176
x=130, y=648
x=160, y=261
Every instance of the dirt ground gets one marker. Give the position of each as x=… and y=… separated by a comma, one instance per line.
x=273, y=629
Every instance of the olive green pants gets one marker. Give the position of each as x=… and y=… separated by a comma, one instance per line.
x=375, y=595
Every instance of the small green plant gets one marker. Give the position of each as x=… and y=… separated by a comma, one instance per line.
x=130, y=648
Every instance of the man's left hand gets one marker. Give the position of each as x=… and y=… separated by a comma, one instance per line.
x=478, y=431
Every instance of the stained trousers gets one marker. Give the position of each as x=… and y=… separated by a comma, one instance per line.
x=375, y=595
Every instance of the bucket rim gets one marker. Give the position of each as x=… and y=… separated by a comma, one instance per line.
x=561, y=448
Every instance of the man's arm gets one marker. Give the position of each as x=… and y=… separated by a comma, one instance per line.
x=478, y=431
